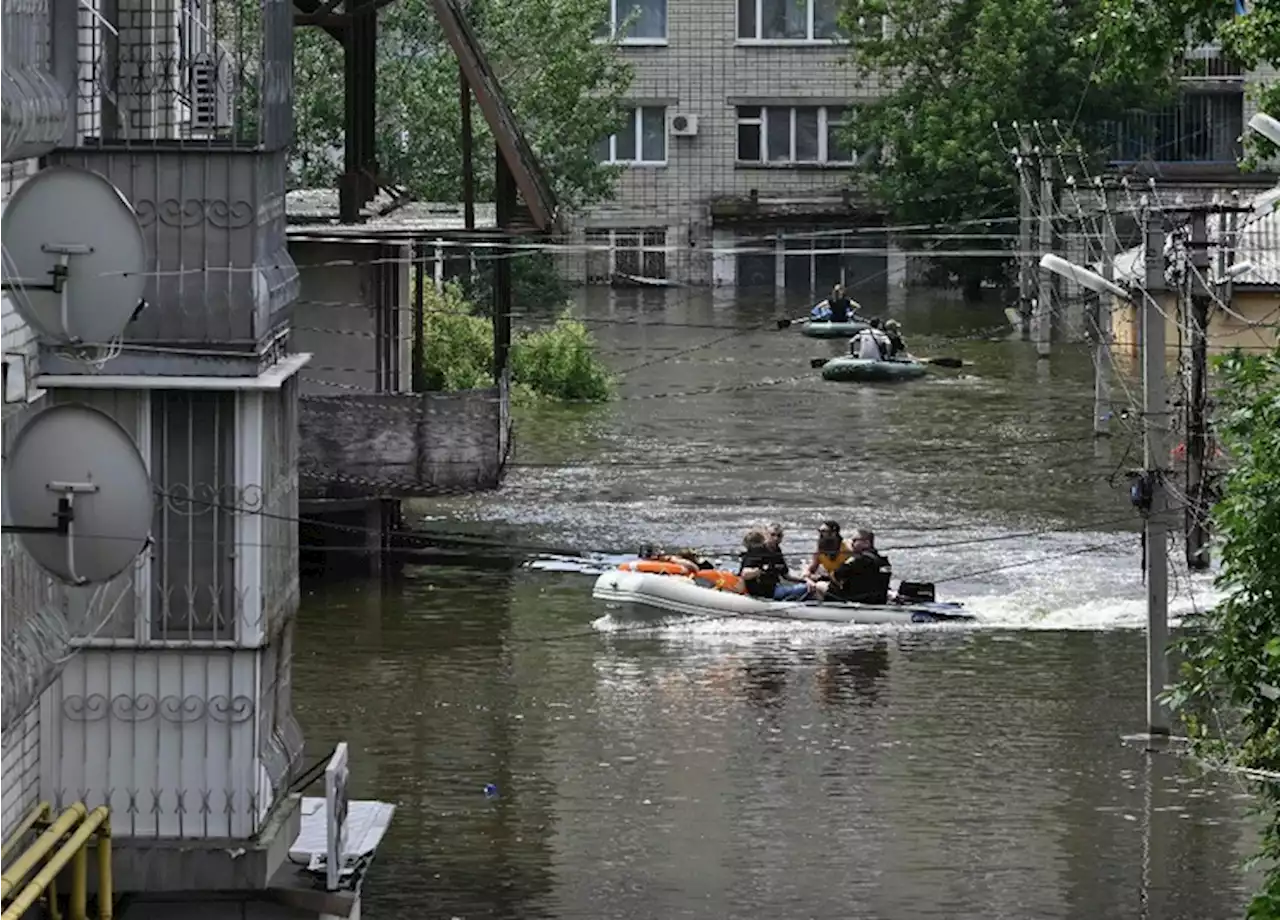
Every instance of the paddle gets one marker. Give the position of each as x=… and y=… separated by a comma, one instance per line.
x=936, y=362
x=785, y=323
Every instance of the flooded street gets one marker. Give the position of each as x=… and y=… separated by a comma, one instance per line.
x=714, y=769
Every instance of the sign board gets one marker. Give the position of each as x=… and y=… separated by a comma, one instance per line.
x=335, y=800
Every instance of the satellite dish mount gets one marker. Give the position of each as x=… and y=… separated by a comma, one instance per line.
x=66, y=517
x=60, y=275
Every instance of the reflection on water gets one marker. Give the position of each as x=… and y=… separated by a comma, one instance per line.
x=787, y=772
x=749, y=770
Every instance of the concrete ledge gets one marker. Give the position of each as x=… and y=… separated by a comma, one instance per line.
x=168, y=865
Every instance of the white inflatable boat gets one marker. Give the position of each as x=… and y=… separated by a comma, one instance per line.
x=646, y=595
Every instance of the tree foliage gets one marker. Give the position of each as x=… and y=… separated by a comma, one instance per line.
x=1145, y=40
x=955, y=70
x=564, y=87
x=1228, y=692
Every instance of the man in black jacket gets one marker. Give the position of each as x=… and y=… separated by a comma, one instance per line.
x=765, y=570
x=863, y=579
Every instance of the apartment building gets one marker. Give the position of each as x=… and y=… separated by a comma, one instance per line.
x=734, y=146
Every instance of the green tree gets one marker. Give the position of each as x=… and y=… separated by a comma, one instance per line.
x=1228, y=692
x=950, y=73
x=564, y=86
x=1141, y=40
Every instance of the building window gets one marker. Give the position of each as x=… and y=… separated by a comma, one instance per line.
x=792, y=134
x=636, y=21
x=788, y=20
x=639, y=253
x=193, y=467
x=642, y=140
x=1200, y=127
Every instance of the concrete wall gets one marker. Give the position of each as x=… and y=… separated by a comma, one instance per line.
x=703, y=69
x=1253, y=329
x=401, y=446
x=344, y=286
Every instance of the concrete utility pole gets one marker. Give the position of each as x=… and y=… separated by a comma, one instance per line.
x=1026, y=257
x=1201, y=300
x=1155, y=454
x=1102, y=347
x=1042, y=318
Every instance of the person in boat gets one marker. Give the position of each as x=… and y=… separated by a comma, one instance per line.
x=893, y=335
x=864, y=577
x=766, y=572
x=832, y=552
x=840, y=305
x=651, y=553
x=870, y=344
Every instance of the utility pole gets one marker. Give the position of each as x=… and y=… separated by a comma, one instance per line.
x=1201, y=299
x=1102, y=347
x=1155, y=453
x=1042, y=318
x=1026, y=261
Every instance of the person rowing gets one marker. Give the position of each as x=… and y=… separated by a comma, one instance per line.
x=871, y=344
x=840, y=305
x=897, y=347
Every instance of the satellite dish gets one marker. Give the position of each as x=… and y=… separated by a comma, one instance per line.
x=74, y=256
x=78, y=494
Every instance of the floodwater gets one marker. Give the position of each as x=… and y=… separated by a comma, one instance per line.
x=710, y=769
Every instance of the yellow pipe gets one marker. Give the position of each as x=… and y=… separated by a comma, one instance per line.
x=106, y=893
x=43, y=846
x=79, y=882
x=36, y=887
x=37, y=813
x=55, y=909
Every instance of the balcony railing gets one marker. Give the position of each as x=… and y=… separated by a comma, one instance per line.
x=1199, y=128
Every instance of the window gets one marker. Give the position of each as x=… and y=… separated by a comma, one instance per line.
x=636, y=21
x=792, y=134
x=193, y=465
x=642, y=139
x=788, y=20
x=638, y=253
x=1200, y=127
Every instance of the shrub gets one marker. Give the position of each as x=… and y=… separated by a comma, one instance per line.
x=558, y=362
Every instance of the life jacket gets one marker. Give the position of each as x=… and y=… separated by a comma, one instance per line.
x=832, y=563
x=720, y=580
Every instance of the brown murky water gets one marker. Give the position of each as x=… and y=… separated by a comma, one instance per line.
x=717, y=770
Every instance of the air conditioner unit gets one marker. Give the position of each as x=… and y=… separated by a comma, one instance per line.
x=211, y=93
x=683, y=125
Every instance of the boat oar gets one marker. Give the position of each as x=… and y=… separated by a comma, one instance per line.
x=785, y=323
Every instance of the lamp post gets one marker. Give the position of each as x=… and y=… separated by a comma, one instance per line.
x=1150, y=493
x=1267, y=126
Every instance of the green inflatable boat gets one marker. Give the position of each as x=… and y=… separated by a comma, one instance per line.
x=829, y=330
x=861, y=370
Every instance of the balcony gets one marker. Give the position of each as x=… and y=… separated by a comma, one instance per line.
x=187, y=108
x=1196, y=137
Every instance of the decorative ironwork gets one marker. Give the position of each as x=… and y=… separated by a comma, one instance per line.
x=172, y=708
x=191, y=212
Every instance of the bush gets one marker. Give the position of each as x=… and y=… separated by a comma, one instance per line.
x=557, y=363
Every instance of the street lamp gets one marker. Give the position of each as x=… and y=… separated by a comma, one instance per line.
x=1148, y=492
x=1082, y=276
x=1267, y=126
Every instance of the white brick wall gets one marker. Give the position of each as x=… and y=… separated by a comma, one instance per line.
x=704, y=70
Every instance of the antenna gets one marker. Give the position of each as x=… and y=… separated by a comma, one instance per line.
x=74, y=256
x=78, y=494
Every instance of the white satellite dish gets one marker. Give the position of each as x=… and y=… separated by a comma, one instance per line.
x=74, y=256
x=77, y=494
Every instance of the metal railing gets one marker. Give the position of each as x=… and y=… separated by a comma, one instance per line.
x=1200, y=127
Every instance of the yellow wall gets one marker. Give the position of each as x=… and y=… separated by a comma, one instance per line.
x=1225, y=331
